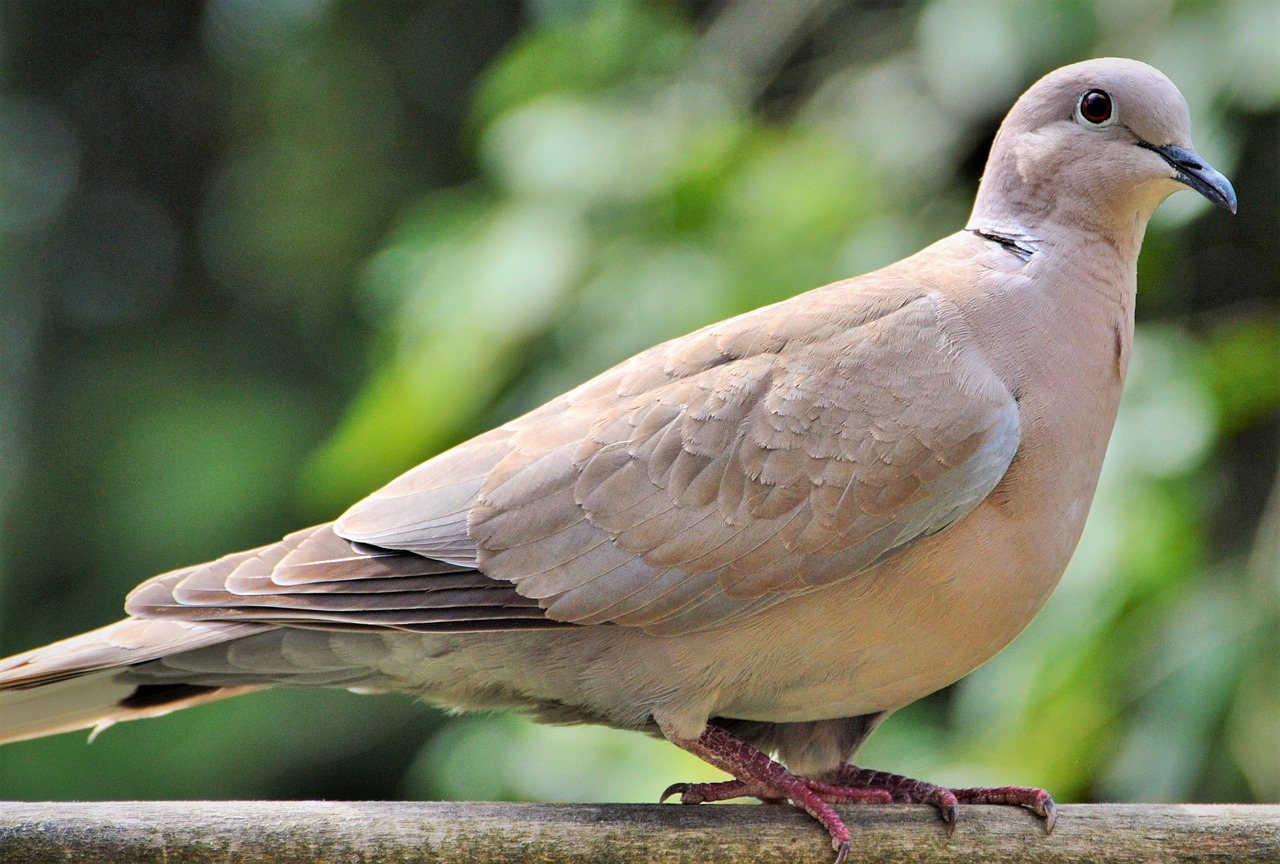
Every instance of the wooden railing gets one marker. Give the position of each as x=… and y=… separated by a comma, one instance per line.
x=285, y=832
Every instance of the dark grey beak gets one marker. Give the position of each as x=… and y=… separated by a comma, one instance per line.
x=1190, y=169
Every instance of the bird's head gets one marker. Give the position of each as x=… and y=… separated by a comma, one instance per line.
x=1104, y=140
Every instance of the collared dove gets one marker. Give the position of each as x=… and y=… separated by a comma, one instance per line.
x=760, y=538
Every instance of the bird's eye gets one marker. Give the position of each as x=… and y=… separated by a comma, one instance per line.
x=1095, y=108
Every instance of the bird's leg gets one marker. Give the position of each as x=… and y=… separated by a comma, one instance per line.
x=907, y=791
x=758, y=776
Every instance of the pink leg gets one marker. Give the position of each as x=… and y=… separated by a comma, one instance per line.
x=759, y=776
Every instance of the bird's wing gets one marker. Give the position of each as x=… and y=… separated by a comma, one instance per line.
x=700, y=481
x=776, y=452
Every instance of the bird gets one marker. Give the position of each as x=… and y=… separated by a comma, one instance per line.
x=757, y=540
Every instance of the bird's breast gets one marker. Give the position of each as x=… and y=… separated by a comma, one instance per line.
x=948, y=603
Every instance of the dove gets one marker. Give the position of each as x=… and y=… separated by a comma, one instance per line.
x=756, y=540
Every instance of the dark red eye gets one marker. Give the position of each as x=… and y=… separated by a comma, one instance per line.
x=1095, y=106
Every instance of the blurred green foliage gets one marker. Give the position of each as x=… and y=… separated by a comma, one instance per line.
x=256, y=258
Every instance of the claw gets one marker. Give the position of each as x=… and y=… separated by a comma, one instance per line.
x=1050, y=815
x=946, y=802
x=674, y=789
x=950, y=814
x=842, y=852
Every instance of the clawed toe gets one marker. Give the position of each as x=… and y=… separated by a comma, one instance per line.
x=680, y=789
x=950, y=811
x=705, y=793
x=904, y=790
x=837, y=794
x=1049, y=811
x=1036, y=800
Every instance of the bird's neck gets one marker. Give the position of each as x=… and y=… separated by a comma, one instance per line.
x=1116, y=228
x=1095, y=263
x=1025, y=188
x=1082, y=273
x=1073, y=282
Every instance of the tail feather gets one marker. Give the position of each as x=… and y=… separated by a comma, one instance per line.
x=84, y=682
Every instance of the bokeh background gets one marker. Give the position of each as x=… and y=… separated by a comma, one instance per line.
x=259, y=256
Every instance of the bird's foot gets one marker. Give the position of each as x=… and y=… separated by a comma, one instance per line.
x=758, y=776
x=904, y=790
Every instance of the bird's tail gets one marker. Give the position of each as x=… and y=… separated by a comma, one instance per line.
x=85, y=682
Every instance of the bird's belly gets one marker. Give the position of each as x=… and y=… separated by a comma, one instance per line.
x=912, y=626
x=874, y=642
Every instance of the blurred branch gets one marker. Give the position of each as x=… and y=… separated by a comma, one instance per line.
x=391, y=833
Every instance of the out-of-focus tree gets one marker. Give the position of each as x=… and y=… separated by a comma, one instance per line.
x=260, y=257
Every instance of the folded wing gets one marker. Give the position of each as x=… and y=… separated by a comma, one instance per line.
x=696, y=483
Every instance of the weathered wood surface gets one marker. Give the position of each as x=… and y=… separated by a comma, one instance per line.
x=286, y=832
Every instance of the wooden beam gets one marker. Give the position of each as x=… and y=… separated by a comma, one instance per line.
x=326, y=832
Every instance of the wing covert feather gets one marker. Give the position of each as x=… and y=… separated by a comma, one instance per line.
x=755, y=458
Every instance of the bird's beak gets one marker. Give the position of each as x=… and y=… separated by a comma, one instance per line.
x=1190, y=169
